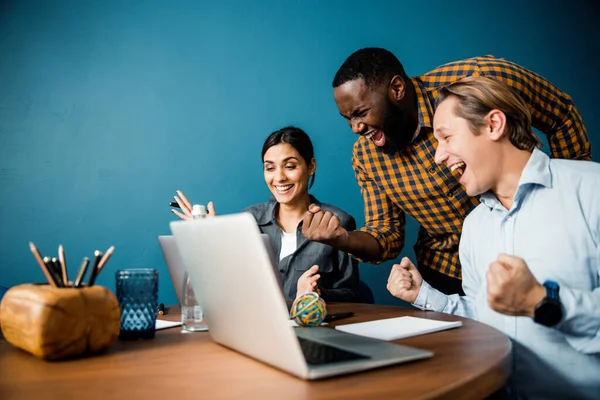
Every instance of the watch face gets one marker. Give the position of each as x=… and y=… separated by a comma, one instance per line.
x=548, y=313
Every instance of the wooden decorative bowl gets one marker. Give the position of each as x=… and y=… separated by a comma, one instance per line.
x=55, y=323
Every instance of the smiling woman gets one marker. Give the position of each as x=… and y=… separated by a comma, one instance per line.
x=289, y=169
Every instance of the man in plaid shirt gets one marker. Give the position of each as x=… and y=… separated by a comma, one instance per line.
x=393, y=158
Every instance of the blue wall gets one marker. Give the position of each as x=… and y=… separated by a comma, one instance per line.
x=108, y=107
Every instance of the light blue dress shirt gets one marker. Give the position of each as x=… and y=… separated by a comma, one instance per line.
x=554, y=225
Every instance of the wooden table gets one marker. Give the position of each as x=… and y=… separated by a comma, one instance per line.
x=470, y=362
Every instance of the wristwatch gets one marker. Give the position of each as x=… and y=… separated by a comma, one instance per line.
x=549, y=311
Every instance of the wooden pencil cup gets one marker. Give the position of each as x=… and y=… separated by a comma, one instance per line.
x=54, y=323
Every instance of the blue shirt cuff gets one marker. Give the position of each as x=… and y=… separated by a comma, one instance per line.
x=430, y=299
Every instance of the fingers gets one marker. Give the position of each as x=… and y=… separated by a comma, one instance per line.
x=326, y=218
x=310, y=272
x=397, y=273
x=317, y=218
x=186, y=210
x=211, y=209
x=313, y=208
x=181, y=215
x=308, y=217
x=185, y=200
x=334, y=223
x=406, y=264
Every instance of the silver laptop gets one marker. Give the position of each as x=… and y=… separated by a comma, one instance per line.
x=246, y=310
x=175, y=266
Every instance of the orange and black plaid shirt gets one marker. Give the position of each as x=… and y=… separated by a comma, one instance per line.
x=410, y=181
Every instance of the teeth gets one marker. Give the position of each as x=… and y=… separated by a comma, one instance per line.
x=370, y=134
x=283, y=188
x=458, y=165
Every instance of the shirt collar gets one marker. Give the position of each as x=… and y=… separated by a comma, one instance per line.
x=536, y=172
x=424, y=107
x=268, y=215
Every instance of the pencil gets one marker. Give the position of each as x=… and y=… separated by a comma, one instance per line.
x=81, y=272
x=38, y=258
x=105, y=258
x=94, y=271
x=63, y=265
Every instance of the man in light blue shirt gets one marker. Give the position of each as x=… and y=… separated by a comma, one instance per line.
x=530, y=252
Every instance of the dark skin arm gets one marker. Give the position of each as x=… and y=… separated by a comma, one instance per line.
x=324, y=227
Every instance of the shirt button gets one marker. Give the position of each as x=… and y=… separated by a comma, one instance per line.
x=427, y=305
x=432, y=169
x=450, y=194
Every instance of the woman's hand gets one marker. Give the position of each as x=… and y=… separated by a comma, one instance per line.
x=308, y=281
x=186, y=207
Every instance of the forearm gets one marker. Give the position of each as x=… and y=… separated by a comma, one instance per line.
x=358, y=243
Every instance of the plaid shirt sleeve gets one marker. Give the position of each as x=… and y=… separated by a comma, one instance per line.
x=384, y=220
x=553, y=112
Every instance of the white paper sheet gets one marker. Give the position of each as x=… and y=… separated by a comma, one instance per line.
x=161, y=324
x=397, y=328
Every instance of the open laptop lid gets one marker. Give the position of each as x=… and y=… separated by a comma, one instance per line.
x=232, y=274
x=176, y=268
x=175, y=265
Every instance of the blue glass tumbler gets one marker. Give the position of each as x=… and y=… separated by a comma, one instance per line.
x=137, y=293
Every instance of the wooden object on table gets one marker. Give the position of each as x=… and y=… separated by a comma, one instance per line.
x=54, y=323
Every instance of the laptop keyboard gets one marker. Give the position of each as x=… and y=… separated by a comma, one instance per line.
x=318, y=354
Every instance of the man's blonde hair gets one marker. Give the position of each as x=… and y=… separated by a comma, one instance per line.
x=478, y=95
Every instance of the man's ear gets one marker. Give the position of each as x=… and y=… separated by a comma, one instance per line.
x=397, y=88
x=496, y=124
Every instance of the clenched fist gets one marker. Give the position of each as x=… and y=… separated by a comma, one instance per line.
x=320, y=226
x=511, y=287
x=405, y=281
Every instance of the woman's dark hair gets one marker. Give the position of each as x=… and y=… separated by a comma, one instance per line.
x=295, y=137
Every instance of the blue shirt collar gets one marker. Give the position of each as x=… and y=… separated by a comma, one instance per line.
x=536, y=172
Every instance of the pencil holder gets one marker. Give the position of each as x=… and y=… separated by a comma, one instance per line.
x=54, y=323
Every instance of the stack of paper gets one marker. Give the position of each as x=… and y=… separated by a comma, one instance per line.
x=397, y=328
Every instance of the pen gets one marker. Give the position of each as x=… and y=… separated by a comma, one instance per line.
x=58, y=272
x=50, y=267
x=161, y=309
x=38, y=258
x=94, y=271
x=174, y=204
x=335, y=317
x=63, y=265
x=81, y=273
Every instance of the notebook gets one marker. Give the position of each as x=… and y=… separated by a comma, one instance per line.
x=246, y=311
x=398, y=328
